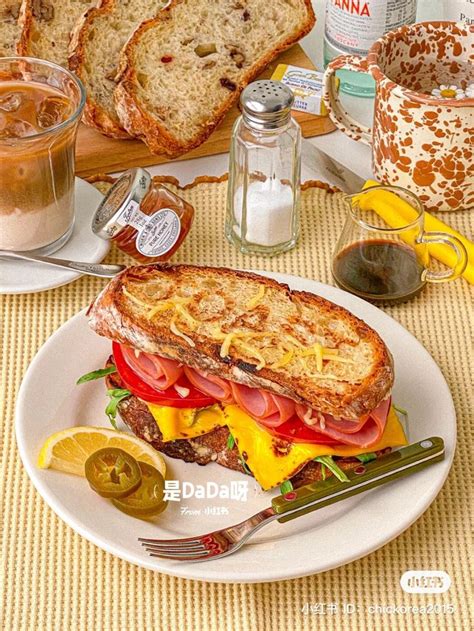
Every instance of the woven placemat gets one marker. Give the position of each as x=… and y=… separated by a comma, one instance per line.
x=54, y=579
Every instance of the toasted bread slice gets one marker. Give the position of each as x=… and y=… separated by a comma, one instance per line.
x=251, y=330
x=210, y=447
x=47, y=25
x=96, y=41
x=9, y=27
x=181, y=71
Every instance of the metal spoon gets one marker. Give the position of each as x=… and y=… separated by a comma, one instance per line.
x=92, y=269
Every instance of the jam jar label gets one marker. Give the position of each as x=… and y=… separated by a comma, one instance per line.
x=159, y=234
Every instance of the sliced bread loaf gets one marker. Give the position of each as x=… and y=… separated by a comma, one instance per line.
x=9, y=27
x=183, y=70
x=94, y=55
x=46, y=27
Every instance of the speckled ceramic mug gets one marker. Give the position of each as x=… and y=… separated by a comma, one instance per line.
x=422, y=142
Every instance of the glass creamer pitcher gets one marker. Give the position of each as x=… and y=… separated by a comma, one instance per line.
x=382, y=254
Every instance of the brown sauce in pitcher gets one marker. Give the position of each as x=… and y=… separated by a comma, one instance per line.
x=379, y=270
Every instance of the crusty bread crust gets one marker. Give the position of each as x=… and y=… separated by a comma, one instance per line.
x=115, y=316
x=24, y=25
x=141, y=124
x=210, y=447
x=38, y=22
x=94, y=115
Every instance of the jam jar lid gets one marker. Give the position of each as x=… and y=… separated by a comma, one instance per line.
x=128, y=191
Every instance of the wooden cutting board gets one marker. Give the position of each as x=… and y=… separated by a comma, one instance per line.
x=96, y=153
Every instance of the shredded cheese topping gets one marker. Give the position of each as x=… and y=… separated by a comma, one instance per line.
x=294, y=341
x=255, y=300
x=136, y=300
x=295, y=350
x=253, y=352
x=318, y=352
x=158, y=309
x=289, y=347
x=286, y=359
x=174, y=329
x=225, y=347
x=186, y=315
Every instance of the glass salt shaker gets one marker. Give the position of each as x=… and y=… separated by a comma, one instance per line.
x=264, y=172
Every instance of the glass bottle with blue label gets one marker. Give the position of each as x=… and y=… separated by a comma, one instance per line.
x=352, y=26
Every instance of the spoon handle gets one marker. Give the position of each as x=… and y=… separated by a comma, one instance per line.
x=92, y=269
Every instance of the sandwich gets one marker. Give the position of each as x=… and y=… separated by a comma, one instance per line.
x=213, y=365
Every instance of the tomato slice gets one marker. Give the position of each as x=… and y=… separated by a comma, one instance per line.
x=169, y=397
x=296, y=431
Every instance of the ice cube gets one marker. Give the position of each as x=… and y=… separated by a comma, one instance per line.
x=52, y=111
x=10, y=101
x=16, y=129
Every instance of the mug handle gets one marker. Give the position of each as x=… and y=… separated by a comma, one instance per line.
x=342, y=119
x=459, y=249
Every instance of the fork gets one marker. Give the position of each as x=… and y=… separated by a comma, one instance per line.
x=295, y=503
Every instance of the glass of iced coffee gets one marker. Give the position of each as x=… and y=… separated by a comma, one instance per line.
x=40, y=110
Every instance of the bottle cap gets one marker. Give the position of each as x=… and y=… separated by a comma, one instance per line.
x=266, y=104
x=124, y=196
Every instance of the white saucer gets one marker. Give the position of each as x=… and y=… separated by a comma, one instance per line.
x=23, y=277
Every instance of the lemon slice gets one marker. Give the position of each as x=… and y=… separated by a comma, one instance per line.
x=69, y=449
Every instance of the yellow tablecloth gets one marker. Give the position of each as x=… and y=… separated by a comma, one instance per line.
x=54, y=579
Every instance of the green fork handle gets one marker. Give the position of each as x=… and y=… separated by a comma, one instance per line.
x=363, y=477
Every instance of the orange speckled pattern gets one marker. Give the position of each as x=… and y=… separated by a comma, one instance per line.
x=422, y=142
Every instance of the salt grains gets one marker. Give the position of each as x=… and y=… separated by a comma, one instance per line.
x=267, y=218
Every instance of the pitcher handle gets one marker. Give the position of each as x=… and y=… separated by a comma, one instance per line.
x=459, y=249
x=342, y=119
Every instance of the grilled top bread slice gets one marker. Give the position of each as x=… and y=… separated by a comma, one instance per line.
x=96, y=42
x=9, y=27
x=46, y=27
x=184, y=69
x=251, y=330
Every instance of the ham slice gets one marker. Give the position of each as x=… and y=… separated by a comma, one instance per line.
x=268, y=408
x=159, y=373
x=362, y=433
x=211, y=385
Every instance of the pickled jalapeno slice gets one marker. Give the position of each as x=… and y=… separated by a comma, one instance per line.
x=112, y=472
x=147, y=500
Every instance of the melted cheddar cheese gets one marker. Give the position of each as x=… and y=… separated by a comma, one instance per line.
x=176, y=423
x=270, y=463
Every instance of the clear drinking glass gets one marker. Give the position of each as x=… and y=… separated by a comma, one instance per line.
x=264, y=172
x=40, y=110
x=383, y=256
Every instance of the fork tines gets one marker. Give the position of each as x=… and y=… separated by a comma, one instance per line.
x=182, y=549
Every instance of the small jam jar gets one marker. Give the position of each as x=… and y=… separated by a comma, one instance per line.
x=145, y=220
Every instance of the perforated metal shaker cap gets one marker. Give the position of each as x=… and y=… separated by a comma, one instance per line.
x=266, y=104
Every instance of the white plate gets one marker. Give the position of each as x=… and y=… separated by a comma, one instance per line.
x=314, y=543
x=24, y=277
